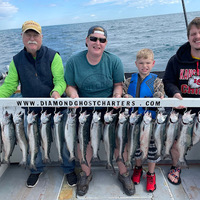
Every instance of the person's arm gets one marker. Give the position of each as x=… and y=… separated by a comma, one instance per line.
x=71, y=92
x=117, y=91
x=126, y=84
x=170, y=79
x=158, y=89
x=10, y=83
x=58, y=77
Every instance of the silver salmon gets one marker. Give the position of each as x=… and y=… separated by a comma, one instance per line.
x=109, y=137
x=33, y=138
x=145, y=134
x=83, y=136
x=122, y=134
x=172, y=128
x=159, y=132
x=96, y=129
x=184, y=141
x=196, y=130
x=58, y=134
x=133, y=136
x=46, y=135
x=18, y=120
x=8, y=136
x=70, y=135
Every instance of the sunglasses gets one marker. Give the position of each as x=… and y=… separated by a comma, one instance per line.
x=94, y=39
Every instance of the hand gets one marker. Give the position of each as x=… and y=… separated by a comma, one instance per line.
x=55, y=95
x=116, y=95
x=178, y=96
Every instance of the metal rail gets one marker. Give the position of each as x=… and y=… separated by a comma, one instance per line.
x=99, y=102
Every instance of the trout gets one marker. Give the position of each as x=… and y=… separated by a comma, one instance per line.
x=109, y=137
x=96, y=129
x=83, y=136
x=18, y=120
x=196, y=130
x=58, y=134
x=46, y=135
x=172, y=129
x=8, y=137
x=70, y=135
x=145, y=134
x=159, y=132
x=122, y=134
x=33, y=138
x=184, y=141
x=133, y=136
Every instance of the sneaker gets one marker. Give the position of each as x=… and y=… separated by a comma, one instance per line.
x=83, y=183
x=151, y=182
x=32, y=180
x=128, y=185
x=137, y=173
x=71, y=179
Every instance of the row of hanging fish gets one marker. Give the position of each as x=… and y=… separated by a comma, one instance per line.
x=129, y=130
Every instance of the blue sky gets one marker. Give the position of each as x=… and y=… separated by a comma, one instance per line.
x=48, y=12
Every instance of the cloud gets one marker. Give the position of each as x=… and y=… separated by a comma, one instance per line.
x=52, y=5
x=7, y=9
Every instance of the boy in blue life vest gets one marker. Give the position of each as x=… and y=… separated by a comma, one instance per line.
x=145, y=84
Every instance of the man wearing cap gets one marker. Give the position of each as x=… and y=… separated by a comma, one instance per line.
x=40, y=72
x=96, y=73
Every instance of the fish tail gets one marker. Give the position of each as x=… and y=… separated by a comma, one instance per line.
x=182, y=164
x=110, y=166
x=84, y=162
x=22, y=164
x=166, y=157
x=60, y=160
x=47, y=160
x=95, y=158
x=119, y=159
x=32, y=166
x=71, y=159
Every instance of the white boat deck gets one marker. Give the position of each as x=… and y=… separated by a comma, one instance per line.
x=104, y=185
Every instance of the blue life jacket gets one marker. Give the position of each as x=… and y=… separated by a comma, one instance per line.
x=146, y=89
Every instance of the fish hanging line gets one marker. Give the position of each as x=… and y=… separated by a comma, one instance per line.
x=185, y=15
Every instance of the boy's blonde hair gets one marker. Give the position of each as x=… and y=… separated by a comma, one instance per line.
x=145, y=53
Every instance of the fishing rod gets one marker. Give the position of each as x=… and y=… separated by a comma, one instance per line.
x=186, y=22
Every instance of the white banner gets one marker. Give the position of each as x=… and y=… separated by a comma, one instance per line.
x=99, y=102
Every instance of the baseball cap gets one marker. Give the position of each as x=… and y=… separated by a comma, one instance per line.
x=31, y=25
x=97, y=29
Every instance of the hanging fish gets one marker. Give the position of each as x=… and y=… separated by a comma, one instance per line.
x=70, y=135
x=184, y=141
x=133, y=136
x=33, y=138
x=109, y=137
x=18, y=120
x=159, y=132
x=172, y=128
x=58, y=134
x=145, y=134
x=83, y=136
x=122, y=134
x=8, y=136
x=46, y=135
x=96, y=129
x=196, y=130
x=1, y=145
